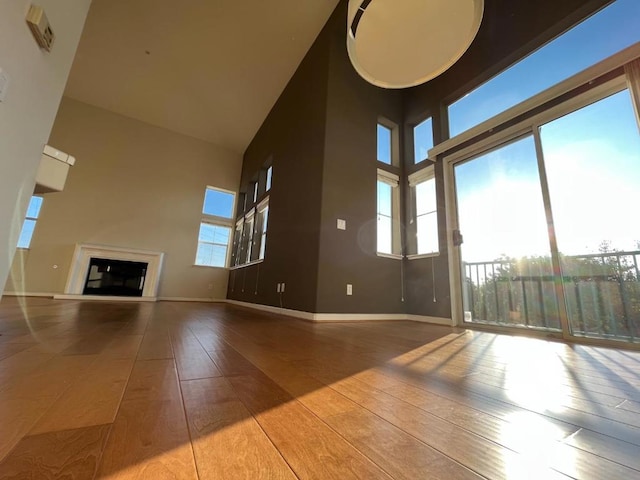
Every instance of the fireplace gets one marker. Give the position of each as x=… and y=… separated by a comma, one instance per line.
x=115, y=278
x=121, y=280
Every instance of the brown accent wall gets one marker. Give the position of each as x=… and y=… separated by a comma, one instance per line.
x=349, y=190
x=293, y=137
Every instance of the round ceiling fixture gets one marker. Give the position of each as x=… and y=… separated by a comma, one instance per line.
x=400, y=44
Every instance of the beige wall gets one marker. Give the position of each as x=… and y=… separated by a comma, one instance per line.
x=133, y=185
x=37, y=80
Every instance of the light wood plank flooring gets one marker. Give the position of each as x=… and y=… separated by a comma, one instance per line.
x=212, y=391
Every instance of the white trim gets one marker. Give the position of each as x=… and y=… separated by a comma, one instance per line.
x=418, y=256
x=102, y=298
x=388, y=177
x=615, y=61
x=422, y=175
x=394, y=256
x=29, y=294
x=191, y=299
x=263, y=204
x=253, y=262
x=343, y=317
x=84, y=252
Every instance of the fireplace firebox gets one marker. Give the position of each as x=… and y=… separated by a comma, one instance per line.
x=115, y=278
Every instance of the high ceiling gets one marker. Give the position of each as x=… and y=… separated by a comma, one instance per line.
x=210, y=69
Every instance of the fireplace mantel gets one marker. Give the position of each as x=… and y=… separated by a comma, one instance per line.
x=85, y=252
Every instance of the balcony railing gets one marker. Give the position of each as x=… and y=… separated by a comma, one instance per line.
x=602, y=293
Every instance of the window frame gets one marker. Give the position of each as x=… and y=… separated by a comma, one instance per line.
x=421, y=176
x=216, y=220
x=393, y=180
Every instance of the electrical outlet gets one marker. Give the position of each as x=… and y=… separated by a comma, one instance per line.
x=278, y=288
x=349, y=289
x=282, y=288
x=342, y=224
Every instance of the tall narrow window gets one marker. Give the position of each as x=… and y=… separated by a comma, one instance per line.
x=269, y=177
x=215, y=228
x=423, y=183
x=422, y=140
x=248, y=235
x=263, y=213
x=384, y=144
x=388, y=241
x=29, y=225
x=237, y=243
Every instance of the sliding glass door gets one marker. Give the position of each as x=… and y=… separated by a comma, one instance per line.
x=548, y=229
x=507, y=273
x=592, y=160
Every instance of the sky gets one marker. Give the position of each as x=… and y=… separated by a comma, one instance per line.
x=592, y=156
x=600, y=36
x=592, y=161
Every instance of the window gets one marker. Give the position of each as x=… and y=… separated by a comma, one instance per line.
x=388, y=212
x=33, y=211
x=423, y=184
x=607, y=32
x=256, y=186
x=248, y=236
x=237, y=243
x=213, y=242
x=269, y=177
x=215, y=228
x=384, y=144
x=422, y=140
x=263, y=212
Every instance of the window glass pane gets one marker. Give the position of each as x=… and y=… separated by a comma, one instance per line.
x=422, y=140
x=218, y=203
x=211, y=255
x=33, y=211
x=426, y=197
x=221, y=235
x=207, y=233
x=606, y=33
x=255, y=192
x=269, y=175
x=384, y=144
x=592, y=157
x=427, y=231
x=27, y=232
x=384, y=198
x=384, y=234
x=263, y=245
x=265, y=219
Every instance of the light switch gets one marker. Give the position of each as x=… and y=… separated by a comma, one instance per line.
x=4, y=84
x=342, y=224
x=349, y=289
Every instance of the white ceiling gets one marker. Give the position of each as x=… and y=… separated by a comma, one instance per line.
x=210, y=69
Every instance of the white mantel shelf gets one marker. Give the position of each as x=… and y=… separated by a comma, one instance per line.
x=80, y=267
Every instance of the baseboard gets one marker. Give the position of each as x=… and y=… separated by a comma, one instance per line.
x=268, y=308
x=191, y=299
x=344, y=317
x=447, y=322
x=102, y=298
x=28, y=294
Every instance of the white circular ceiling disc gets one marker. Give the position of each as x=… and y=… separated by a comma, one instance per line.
x=403, y=43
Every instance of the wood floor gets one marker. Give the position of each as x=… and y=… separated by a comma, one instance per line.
x=212, y=391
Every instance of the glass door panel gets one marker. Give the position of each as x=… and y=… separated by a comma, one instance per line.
x=507, y=273
x=592, y=162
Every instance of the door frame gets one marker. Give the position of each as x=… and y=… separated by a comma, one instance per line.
x=530, y=126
